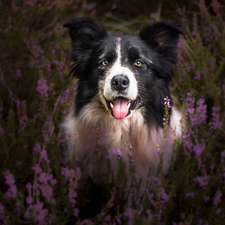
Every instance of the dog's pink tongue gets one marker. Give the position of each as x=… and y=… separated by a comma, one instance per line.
x=120, y=109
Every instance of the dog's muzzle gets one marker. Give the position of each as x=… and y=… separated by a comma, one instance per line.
x=120, y=99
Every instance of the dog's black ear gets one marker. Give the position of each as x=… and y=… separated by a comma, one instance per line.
x=162, y=37
x=85, y=33
x=85, y=30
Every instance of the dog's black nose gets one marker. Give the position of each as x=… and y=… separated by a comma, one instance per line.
x=120, y=83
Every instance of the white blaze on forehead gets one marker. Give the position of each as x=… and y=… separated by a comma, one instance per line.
x=118, y=69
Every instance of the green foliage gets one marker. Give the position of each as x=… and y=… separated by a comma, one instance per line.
x=37, y=187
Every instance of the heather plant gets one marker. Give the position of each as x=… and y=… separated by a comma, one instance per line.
x=37, y=186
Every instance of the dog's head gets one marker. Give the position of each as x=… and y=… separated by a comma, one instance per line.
x=125, y=72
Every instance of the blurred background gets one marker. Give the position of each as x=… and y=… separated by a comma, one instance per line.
x=36, y=185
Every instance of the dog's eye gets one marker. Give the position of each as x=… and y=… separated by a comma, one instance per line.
x=138, y=63
x=105, y=62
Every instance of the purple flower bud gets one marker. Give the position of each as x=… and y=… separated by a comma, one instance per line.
x=117, y=152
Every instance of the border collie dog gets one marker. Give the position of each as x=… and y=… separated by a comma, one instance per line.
x=123, y=80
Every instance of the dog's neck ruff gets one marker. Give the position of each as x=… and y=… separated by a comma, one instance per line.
x=117, y=133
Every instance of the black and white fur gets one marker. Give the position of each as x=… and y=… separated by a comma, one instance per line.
x=132, y=68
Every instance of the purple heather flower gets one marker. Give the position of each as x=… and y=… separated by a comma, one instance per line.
x=27, y=214
x=72, y=173
x=65, y=172
x=49, y=176
x=44, y=156
x=2, y=214
x=150, y=217
x=167, y=102
x=10, y=94
x=163, y=195
x=18, y=74
x=46, y=191
x=11, y=192
x=137, y=202
x=23, y=122
x=202, y=111
x=159, y=150
x=203, y=181
x=1, y=208
x=212, y=167
x=37, y=148
x=190, y=100
x=53, y=181
x=9, y=178
x=53, y=53
x=114, y=6
x=37, y=168
x=29, y=186
x=153, y=15
x=29, y=200
x=30, y=2
x=190, y=194
x=215, y=124
x=206, y=199
x=198, y=73
x=130, y=213
x=223, y=154
x=72, y=196
x=157, y=181
x=218, y=211
x=217, y=198
x=190, y=111
x=130, y=154
x=117, y=152
x=198, y=149
x=38, y=207
x=42, y=87
x=132, y=161
x=118, y=220
x=187, y=142
x=32, y=63
x=65, y=96
x=76, y=211
x=43, y=178
x=51, y=130
x=40, y=217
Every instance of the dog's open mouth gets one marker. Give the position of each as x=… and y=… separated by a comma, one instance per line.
x=120, y=107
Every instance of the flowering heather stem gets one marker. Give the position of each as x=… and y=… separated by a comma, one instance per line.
x=51, y=119
x=12, y=189
x=166, y=115
x=75, y=145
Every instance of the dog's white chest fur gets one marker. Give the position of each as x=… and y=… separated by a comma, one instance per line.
x=117, y=134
